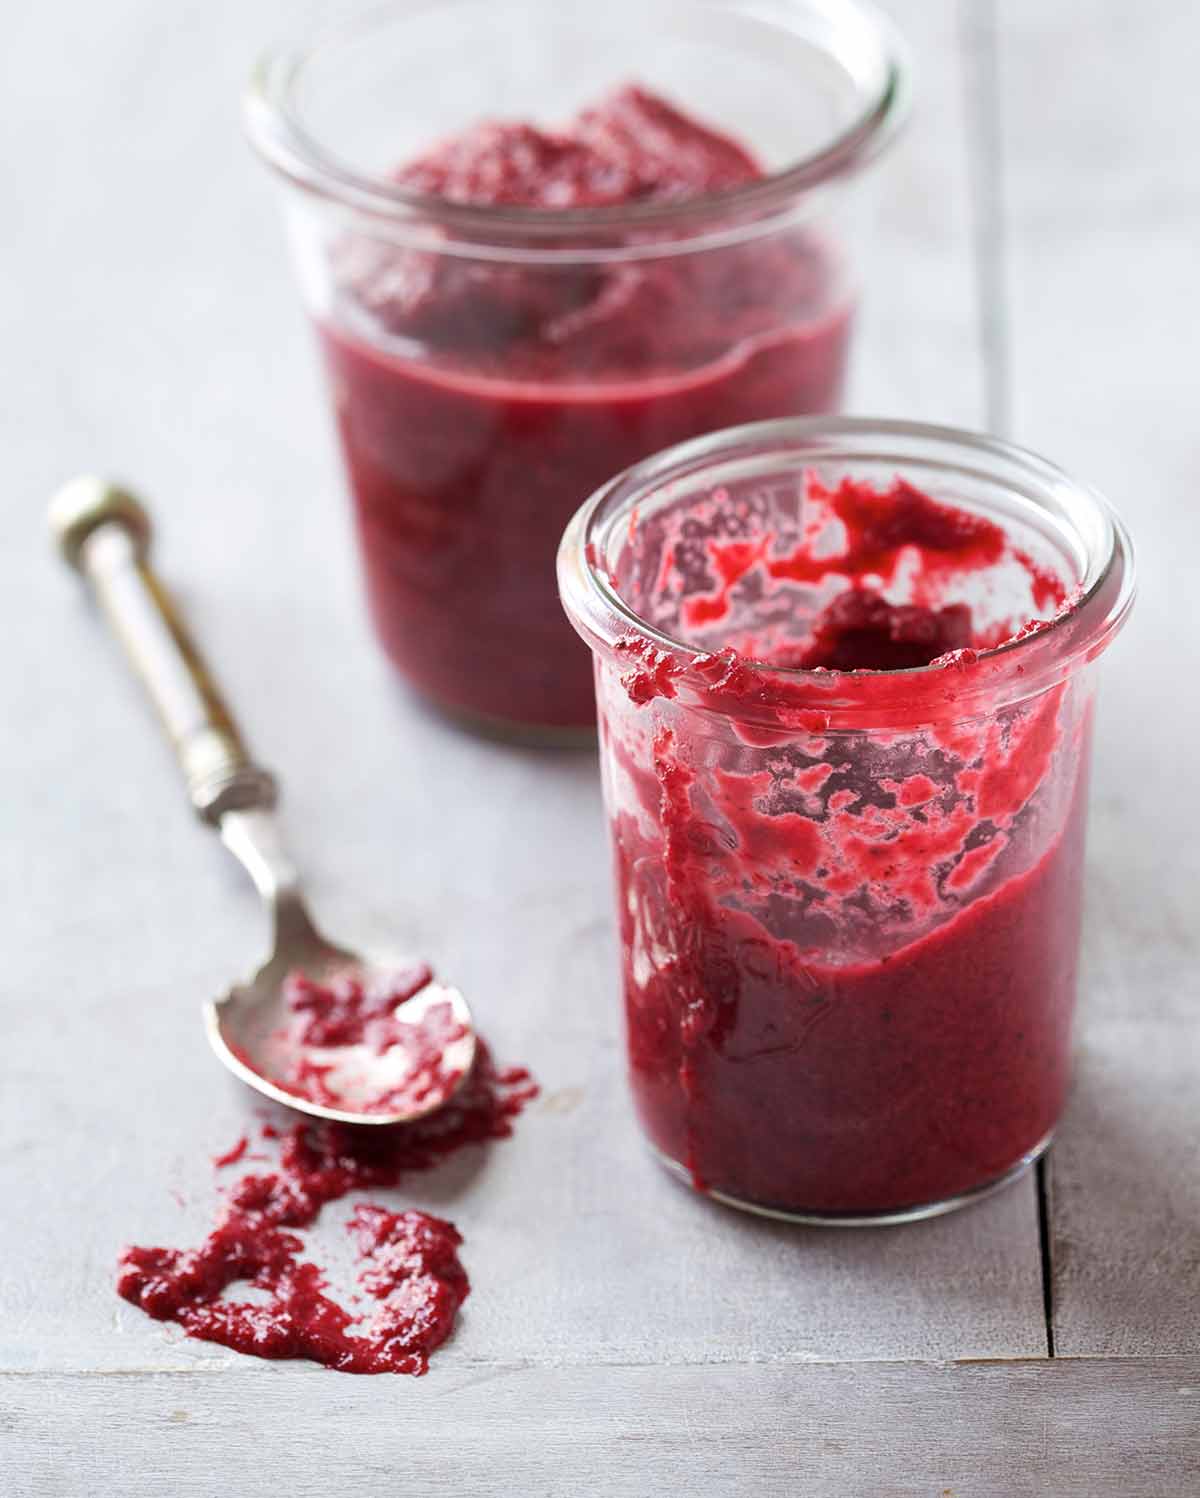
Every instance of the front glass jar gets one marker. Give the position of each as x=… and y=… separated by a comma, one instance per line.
x=848, y=897
x=491, y=363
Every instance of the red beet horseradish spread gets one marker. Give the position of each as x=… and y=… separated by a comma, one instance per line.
x=848, y=891
x=351, y=1044
x=481, y=395
x=411, y=1282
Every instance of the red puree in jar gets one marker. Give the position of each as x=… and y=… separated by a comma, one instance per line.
x=481, y=400
x=850, y=975
x=409, y=1265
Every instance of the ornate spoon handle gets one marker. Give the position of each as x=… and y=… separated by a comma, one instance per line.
x=104, y=532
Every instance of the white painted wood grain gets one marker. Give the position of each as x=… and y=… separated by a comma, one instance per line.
x=920, y=352
x=173, y=352
x=1125, y=1195
x=1099, y=124
x=1068, y=1429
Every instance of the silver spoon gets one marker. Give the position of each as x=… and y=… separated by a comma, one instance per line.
x=104, y=532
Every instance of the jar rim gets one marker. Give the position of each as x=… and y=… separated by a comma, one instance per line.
x=1014, y=670
x=279, y=134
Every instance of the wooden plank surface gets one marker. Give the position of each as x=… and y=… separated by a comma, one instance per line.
x=1066, y=1429
x=1098, y=129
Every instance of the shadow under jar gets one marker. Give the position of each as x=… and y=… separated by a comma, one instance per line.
x=491, y=363
x=848, y=899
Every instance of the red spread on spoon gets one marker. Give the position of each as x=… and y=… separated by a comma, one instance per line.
x=340, y=1031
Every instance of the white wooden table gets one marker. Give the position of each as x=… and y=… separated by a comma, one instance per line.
x=1034, y=271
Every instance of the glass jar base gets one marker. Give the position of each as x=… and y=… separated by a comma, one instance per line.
x=888, y=1217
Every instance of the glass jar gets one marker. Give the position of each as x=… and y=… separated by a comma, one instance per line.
x=491, y=365
x=849, y=900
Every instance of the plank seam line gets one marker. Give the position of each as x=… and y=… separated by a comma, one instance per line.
x=988, y=220
x=1045, y=1245
x=1187, y=1361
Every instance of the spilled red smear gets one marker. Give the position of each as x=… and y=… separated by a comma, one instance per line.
x=232, y=1155
x=408, y=1260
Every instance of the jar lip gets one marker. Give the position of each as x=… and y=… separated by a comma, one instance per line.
x=1025, y=664
x=279, y=135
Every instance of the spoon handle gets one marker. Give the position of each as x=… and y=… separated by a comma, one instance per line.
x=104, y=532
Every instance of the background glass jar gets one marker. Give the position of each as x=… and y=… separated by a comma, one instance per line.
x=848, y=901
x=491, y=365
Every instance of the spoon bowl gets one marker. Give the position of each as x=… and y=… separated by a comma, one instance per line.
x=247, y=1029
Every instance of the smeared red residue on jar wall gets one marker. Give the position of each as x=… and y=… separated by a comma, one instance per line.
x=778, y=1069
x=878, y=529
